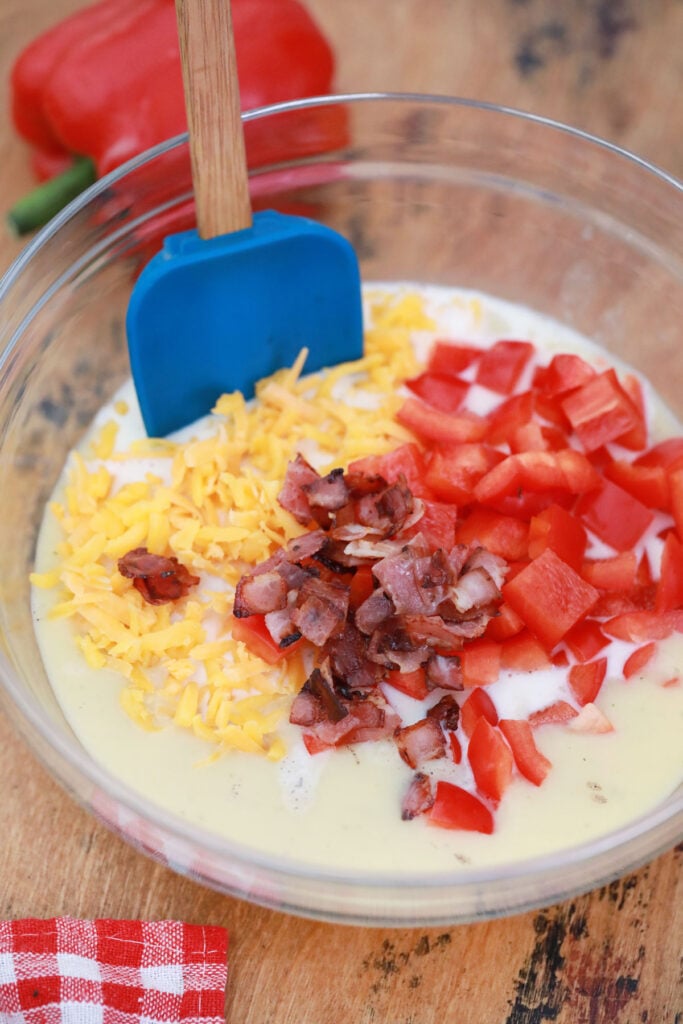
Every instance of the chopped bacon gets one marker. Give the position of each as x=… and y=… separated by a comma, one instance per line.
x=423, y=741
x=281, y=628
x=416, y=585
x=444, y=672
x=321, y=685
x=293, y=497
x=260, y=594
x=348, y=661
x=373, y=612
x=306, y=545
x=418, y=797
x=306, y=708
x=424, y=602
x=388, y=510
x=321, y=609
x=328, y=492
x=157, y=578
x=446, y=711
x=474, y=589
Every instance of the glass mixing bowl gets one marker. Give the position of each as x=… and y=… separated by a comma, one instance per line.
x=427, y=189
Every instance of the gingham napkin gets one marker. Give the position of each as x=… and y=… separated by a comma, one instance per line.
x=66, y=971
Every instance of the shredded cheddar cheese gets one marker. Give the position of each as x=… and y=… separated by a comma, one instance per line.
x=212, y=502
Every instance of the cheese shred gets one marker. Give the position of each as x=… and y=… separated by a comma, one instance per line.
x=211, y=501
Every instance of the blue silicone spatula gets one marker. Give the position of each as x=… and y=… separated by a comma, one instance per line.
x=220, y=307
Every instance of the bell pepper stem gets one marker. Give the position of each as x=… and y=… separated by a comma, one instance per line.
x=40, y=205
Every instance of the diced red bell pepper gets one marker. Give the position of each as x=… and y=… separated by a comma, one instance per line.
x=452, y=358
x=565, y=372
x=537, y=437
x=557, y=529
x=675, y=477
x=441, y=390
x=616, y=574
x=644, y=625
x=407, y=460
x=511, y=415
x=600, y=411
x=614, y=515
x=523, y=653
x=453, y=472
x=478, y=704
x=413, y=684
x=431, y=424
x=640, y=598
x=591, y=719
x=636, y=438
x=253, y=633
x=480, y=662
x=665, y=454
x=669, y=593
x=456, y=749
x=502, y=365
x=455, y=807
x=550, y=597
x=505, y=536
x=648, y=484
x=531, y=763
x=639, y=659
x=586, y=639
x=585, y=680
x=566, y=470
x=504, y=624
x=557, y=713
x=490, y=759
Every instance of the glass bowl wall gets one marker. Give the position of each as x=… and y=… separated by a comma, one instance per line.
x=427, y=189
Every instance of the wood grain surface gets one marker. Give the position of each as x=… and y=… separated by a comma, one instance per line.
x=614, y=68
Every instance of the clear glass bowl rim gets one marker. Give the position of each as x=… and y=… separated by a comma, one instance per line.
x=652, y=834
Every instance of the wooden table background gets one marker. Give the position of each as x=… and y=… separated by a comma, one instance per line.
x=614, y=68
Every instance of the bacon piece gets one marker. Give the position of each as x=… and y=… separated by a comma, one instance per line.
x=391, y=647
x=328, y=492
x=306, y=708
x=281, y=628
x=320, y=684
x=474, y=589
x=348, y=662
x=447, y=712
x=321, y=609
x=418, y=797
x=367, y=720
x=293, y=497
x=360, y=484
x=494, y=565
x=157, y=578
x=444, y=672
x=374, y=610
x=423, y=741
x=416, y=585
x=306, y=545
x=388, y=510
x=260, y=594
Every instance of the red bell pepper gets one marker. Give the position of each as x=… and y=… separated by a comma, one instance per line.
x=531, y=763
x=455, y=807
x=106, y=84
x=550, y=597
x=490, y=759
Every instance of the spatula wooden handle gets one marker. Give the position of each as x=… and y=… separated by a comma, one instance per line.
x=212, y=99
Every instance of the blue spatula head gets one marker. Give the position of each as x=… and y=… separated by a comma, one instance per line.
x=207, y=317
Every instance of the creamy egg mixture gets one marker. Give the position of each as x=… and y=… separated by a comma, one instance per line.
x=187, y=738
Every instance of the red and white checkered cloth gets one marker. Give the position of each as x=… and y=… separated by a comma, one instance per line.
x=66, y=971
